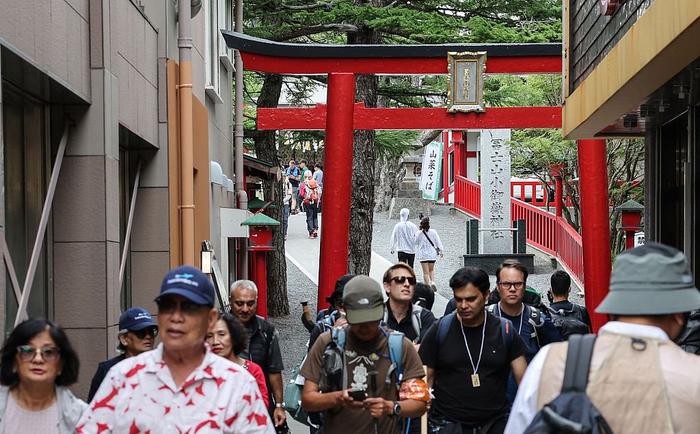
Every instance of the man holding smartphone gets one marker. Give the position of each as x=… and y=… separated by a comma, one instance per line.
x=364, y=394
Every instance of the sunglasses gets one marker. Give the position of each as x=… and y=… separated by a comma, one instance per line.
x=170, y=305
x=148, y=331
x=27, y=352
x=402, y=279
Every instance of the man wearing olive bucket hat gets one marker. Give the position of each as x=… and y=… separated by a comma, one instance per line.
x=639, y=379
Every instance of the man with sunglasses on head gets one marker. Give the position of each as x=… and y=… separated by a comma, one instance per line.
x=181, y=386
x=137, y=334
x=400, y=313
x=534, y=327
x=263, y=346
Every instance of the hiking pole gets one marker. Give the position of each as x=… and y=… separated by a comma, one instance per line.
x=424, y=418
x=374, y=392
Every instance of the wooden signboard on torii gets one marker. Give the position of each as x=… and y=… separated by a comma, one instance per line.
x=341, y=116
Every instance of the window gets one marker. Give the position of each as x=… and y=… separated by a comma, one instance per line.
x=26, y=167
x=218, y=15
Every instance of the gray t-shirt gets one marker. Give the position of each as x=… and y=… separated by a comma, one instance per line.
x=21, y=421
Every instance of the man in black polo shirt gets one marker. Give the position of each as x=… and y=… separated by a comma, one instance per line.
x=469, y=354
x=263, y=347
x=400, y=313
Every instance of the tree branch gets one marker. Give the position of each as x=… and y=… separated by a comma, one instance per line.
x=312, y=30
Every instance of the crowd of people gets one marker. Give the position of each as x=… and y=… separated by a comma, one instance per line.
x=378, y=359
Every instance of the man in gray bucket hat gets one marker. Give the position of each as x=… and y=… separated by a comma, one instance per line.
x=639, y=379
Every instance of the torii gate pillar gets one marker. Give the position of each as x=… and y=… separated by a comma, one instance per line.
x=595, y=222
x=337, y=195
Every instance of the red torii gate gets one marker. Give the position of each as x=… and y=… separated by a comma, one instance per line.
x=343, y=62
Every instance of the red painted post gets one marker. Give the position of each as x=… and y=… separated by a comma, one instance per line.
x=261, y=281
x=337, y=166
x=445, y=171
x=555, y=170
x=460, y=147
x=595, y=229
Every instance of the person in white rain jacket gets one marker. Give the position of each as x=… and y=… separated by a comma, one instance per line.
x=428, y=247
x=403, y=238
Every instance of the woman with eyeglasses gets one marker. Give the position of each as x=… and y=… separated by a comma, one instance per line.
x=37, y=365
x=228, y=338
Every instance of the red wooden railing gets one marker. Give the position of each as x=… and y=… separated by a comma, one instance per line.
x=541, y=225
x=530, y=191
x=468, y=196
x=545, y=230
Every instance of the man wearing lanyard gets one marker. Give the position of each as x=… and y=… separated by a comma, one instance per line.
x=469, y=354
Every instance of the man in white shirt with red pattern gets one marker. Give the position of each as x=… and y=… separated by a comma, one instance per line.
x=181, y=386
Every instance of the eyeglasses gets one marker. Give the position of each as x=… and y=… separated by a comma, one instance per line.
x=170, y=305
x=141, y=334
x=27, y=353
x=508, y=285
x=402, y=279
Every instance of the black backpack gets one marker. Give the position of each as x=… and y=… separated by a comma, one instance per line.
x=689, y=340
x=572, y=412
x=568, y=322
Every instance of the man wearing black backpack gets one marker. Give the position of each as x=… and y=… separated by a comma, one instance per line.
x=401, y=314
x=469, y=354
x=569, y=318
x=634, y=377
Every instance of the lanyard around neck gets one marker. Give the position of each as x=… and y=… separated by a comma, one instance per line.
x=475, y=368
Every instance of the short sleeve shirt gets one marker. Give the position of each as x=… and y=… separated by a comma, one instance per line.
x=362, y=359
x=455, y=397
x=406, y=325
x=140, y=395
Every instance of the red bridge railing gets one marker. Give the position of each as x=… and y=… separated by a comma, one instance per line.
x=545, y=231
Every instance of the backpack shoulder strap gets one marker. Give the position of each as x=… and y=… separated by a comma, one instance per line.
x=507, y=333
x=338, y=336
x=535, y=317
x=443, y=327
x=578, y=363
x=416, y=321
x=396, y=353
x=491, y=308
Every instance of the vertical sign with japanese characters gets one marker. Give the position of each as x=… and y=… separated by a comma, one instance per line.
x=495, y=192
x=431, y=171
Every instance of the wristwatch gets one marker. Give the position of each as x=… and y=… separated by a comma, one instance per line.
x=396, y=411
x=279, y=405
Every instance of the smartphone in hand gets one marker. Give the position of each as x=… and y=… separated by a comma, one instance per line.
x=357, y=395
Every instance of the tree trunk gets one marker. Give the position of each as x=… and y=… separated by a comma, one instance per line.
x=390, y=176
x=363, y=174
x=266, y=149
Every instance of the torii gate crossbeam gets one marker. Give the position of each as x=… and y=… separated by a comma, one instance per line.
x=343, y=62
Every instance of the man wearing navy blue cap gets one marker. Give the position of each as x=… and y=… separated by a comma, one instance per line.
x=181, y=386
x=137, y=333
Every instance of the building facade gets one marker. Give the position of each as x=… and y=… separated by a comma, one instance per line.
x=100, y=77
x=632, y=69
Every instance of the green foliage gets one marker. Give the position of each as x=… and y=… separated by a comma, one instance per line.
x=394, y=144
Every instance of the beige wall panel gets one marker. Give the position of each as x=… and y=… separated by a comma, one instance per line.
x=17, y=26
x=112, y=198
x=80, y=284
x=112, y=341
x=112, y=114
x=51, y=35
x=113, y=304
x=147, y=271
x=91, y=346
x=150, y=231
x=79, y=204
x=81, y=7
x=87, y=137
x=56, y=39
x=155, y=172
